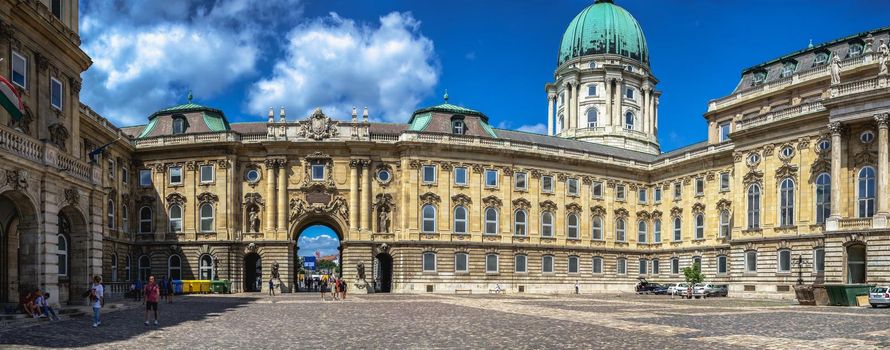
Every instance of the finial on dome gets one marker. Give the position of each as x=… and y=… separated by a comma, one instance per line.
x=446, y=96
x=606, y=1
x=190, y=96
x=810, y=45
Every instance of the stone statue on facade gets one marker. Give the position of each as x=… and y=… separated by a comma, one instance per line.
x=883, y=59
x=253, y=220
x=360, y=270
x=835, y=69
x=275, y=273
x=361, y=285
x=383, y=224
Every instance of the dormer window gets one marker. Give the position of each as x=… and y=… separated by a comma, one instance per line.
x=178, y=125
x=821, y=58
x=788, y=69
x=855, y=49
x=758, y=77
x=457, y=125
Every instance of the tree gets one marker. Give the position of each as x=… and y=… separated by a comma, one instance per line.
x=326, y=265
x=693, y=275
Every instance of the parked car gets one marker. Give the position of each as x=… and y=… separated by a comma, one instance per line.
x=646, y=287
x=660, y=289
x=677, y=288
x=709, y=290
x=879, y=296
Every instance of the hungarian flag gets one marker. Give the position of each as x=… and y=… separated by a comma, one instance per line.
x=10, y=99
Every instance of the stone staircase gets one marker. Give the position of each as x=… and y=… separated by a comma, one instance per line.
x=20, y=320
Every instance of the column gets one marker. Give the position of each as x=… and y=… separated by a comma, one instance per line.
x=880, y=220
x=570, y=104
x=281, y=208
x=366, y=196
x=654, y=113
x=578, y=106
x=644, y=108
x=619, y=95
x=353, y=194
x=607, y=119
x=836, y=129
x=550, y=98
x=270, y=195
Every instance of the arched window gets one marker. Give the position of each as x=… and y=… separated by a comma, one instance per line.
x=145, y=220
x=206, y=267
x=642, y=232
x=591, y=118
x=460, y=219
x=547, y=264
x=113, y=267
x=699, y=226
x=491, y=221
x=207, y=217
x=573, y=264
x=754, y=207
x=520, y=222
x=572, y=226
x=520, y=263
x=125, y=218
x=619, y=230
x=174, y=267
x=823, y=197
x=127, y=268
x=175, y=218
x=597, y=265
x=866, y=192
x=547, y=224
x=178, y=125
x=111, y=213
x=621, y=266
x=429, y=262
x=62, y=254
x=678, y=232
x=786, y=203
x=656, y=231
x=629, y=120
x=596, y=228
x=724, y=223
x=144, y=267
x=429, y=218
x=491, y=263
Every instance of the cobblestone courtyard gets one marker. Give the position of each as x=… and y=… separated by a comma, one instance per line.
x=440, y=321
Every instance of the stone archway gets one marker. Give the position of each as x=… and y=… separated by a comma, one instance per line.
x=19, y=246
x=74, y=271
x=301, y=225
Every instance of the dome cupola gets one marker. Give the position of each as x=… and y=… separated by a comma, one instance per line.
x=604, y=28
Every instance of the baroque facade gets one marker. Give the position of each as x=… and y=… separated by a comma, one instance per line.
x=792, y=180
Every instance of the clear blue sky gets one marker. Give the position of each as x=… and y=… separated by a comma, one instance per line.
x=494, y=55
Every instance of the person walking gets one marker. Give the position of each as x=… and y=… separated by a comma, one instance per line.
x=322, y=284
x=162, y=285
x=152, y=294
x=137, y=293
x=342, y=289
x=577, y=287
x=271, y=287
x=97, y=299
x=170, y=291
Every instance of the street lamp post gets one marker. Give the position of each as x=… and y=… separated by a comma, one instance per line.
x=800, y=265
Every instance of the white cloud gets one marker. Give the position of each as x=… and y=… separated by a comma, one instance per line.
x=335, y=63
x=325, y=244
x=538, y=128
x=147, y=54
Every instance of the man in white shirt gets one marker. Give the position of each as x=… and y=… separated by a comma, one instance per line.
x=97, y=293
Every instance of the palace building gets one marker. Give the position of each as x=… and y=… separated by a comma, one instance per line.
x=792, y=180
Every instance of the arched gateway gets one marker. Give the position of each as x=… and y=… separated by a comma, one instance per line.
x=314, y=239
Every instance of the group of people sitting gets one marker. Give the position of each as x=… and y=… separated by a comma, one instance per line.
x=36, y=304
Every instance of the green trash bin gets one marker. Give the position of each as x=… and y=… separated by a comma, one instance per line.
x=227, y=285
x=845, y=294
x=218, y=287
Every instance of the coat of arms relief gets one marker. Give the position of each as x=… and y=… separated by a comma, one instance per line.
x=318, y=126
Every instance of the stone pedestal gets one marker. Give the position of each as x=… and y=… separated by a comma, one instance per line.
x=879, y=220
x=832, y=223
x=361, y=287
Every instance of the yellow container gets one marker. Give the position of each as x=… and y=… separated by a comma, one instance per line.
x=204, y=286
x=190, y=287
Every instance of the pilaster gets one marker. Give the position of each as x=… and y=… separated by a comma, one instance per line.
x=880, y=218
x=836, y=129
x=281, y=207
x=270, y=195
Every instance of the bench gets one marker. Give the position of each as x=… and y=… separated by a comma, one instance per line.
x=463, y=291
x=495, y=291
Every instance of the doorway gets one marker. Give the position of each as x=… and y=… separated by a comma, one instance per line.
x=318, y=255
x=856, y=268
x=253, y=272
x=383, y=273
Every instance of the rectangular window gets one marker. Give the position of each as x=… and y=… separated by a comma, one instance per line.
x=55, y=93
x=206, y=173
x=317, y=172
x=784, y=261
x=572, y=187
x=721, y=265
x=547, y=184
x=751, y=261
x=699, y=186
x=460, y=176
x=596, y=189
x=655, y=268
x=597, y=265
x=819, y=260
x=630, y=93
x=675, y=266
x=429, y=174
x=657, y=194
x=520, y=181
x=176, y=175
x=619, y=192
x=491, y=263
x=547, y=264
x=724, y=131
x=429, y=262
x=643, y=195
x=591, y=90
x=460, y=262
x=144, y=177
x=491, y=178
x=125, y=175
x=724, y=182
x=19, y=70
x=521, y=263
x=621, y=267
x=57, y=8
x=111, y=169
x=644, y=267
x=573, y=264
x=678, y=190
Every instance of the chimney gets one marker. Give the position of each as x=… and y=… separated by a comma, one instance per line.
x=281, y=118
x=271, y=115
x=354, y=115
x=365, y=115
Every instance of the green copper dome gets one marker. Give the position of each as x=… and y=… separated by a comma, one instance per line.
x=603, y=28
